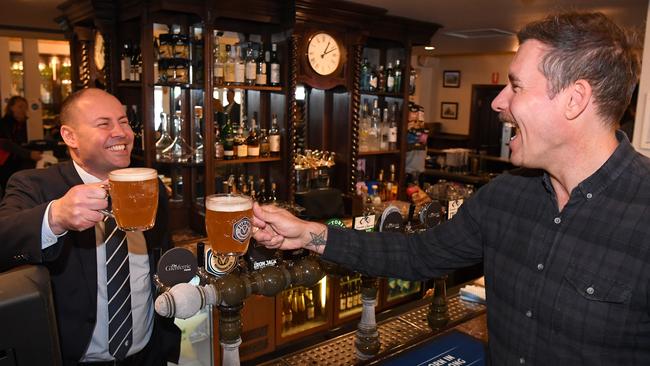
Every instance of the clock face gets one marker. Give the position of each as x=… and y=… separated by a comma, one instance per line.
x=100, y=60
x=323, y=54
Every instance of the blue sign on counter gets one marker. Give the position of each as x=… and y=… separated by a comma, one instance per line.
x=452, y=349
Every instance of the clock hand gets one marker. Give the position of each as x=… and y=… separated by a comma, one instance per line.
x=333, y=49
x=325, y=51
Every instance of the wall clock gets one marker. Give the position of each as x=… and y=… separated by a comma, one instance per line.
x=323, y=53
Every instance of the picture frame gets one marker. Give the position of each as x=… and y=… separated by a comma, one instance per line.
x=451, y=79
x=449, y=110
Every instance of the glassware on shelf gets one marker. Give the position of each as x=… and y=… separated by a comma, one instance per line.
x=198, y=137
x=179, y=151
x=165, y=139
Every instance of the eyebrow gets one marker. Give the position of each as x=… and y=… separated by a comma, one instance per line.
x=513, y=78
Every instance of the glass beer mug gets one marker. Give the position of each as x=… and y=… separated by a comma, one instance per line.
x=229, y=223
x=134, y=198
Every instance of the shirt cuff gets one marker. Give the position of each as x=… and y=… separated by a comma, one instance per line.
x=48, y=238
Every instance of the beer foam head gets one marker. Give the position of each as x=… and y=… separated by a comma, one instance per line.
x=228, y=203
x=132, y=174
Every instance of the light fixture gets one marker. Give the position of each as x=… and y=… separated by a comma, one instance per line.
x=300, y=92
x=429, y=48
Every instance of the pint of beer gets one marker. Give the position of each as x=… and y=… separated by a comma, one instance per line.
x=229, y=223
x=134, y=197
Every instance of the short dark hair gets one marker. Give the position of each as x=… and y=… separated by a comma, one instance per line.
x=588, y=46
x=11, y=102
x=68, y=104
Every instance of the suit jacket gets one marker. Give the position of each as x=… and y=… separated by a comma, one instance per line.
x=72, y=261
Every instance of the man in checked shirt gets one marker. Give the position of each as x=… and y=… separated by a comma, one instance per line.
x=565, y=240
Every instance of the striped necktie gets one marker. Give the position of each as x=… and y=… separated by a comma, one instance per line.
x=120, y=322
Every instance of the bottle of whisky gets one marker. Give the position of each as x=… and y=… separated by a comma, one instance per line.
x=241, y=148
x=392, y=128
x=392, y=186
x=251, y=65
x=229, y=66
x=390, y=78
x=365, y=75
x=240, y=66
x=381, y=79
x=262, y=191
x=253, y=140
x=309, y=304
x=349, y=298
x=218, y=146
x=273, y=198
x=262, y=75
x=228, y=138
x=343, y=294
x=398, y=78
x=275, y=66
x=265, y=146
x=274, y=137
x=287, y=313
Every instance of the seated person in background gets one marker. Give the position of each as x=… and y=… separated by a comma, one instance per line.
x=13, y=133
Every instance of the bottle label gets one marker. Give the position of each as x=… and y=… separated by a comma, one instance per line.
x=253, y=151
x=242, y=151
x=392, y=134
x=251, y=71
x=343, y=303
x=275, y=73
x=240, y=71
x=261, y=79
x=350, y=301
x=228, y=153
x=310, y=312
x=218, y=71
x=274, y=142
x=390, y=82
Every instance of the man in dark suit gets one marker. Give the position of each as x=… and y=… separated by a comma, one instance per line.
x=52, y=217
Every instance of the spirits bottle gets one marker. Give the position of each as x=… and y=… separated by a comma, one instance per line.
x=372, y=80
x=228, y=138
x=365, y=75
x=309, y=304
x=273, y=198
x=275, y=65
x=198, y=136
x=219, y=61
x=392, y=129
x=241, y=148
x=262, y=191
x=343, y=299
x=197, y=56
x=265, y=146
x=274, y=137
x=165, y=138
x=229, y=67
x=262, y=76
x=125, y=63
x=218, y=146
x=364, y=128
x=384, y=130
x=374, y=135
x=240, y=66
x=251, y=65
x=381, y=79
x=398, y=78
x=390, y=78
x=392, y=186
x=252, y=140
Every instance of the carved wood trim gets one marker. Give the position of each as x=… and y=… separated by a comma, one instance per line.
x=354, y=120
x=294, y=113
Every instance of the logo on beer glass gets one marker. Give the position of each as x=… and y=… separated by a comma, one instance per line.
x=241, y=229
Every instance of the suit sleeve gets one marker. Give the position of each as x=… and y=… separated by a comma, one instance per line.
x=454, y=244
x=21, y=217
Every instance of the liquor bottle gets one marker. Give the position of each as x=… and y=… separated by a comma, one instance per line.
x=381, y=188
x=241, y=148
x=125, y=63
x=381, y=79
x=374, y=132
x=350, y=295
x=250, y=76
x=364, y=127
x=274, y=136
x=242, y=186
x=287, y=313
x=253, y=140
x=240, y=66
x=412, y=78
x=384, y=131
x=392, y=186
x=343, y=300
x=372, y=80
x=262, y=76
x=392, y=128
x=262, y=191
x=165, y=138
x=302, y=306
x=228, y=138
x=365, y=75
x=295, y=308
x=390, y=78
x=309, y=304
x=273, y=198
x=219, y=61
x=251, y=188
x=229, y=66
x=265, y=146
x=218, y=146
x=357, y=292
x=398, y=78
x=275, y=66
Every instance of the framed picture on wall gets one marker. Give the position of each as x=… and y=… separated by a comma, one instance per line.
x=449, y=110
x=451, y=79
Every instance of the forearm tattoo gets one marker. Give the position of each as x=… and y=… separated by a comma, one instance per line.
x=317, y=240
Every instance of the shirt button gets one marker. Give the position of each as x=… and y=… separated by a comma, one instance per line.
x=557, y=220
x=522, y=360
x=540, y=266
x=589, y=195
x=529, y=314
x=590, y=290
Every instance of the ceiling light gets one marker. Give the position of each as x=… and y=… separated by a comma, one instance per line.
x=429, y=48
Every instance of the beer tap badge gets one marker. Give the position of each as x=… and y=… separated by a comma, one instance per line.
x=241, y=229
x=177, y=265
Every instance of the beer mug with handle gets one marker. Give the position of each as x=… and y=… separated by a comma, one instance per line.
x=134, y=198
x=229, y=223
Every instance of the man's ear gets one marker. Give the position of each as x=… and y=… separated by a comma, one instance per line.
x=69, y=136
x=579, y=97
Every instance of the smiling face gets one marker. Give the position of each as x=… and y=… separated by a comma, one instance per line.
x=526, y=104
x=98, y=133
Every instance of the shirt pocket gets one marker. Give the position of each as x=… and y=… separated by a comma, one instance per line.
x=591, y=309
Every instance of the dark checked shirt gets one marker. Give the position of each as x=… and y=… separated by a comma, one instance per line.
x=563, y=288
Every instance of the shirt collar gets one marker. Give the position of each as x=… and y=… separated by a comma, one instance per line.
x=610, y=171
x=85, y=176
